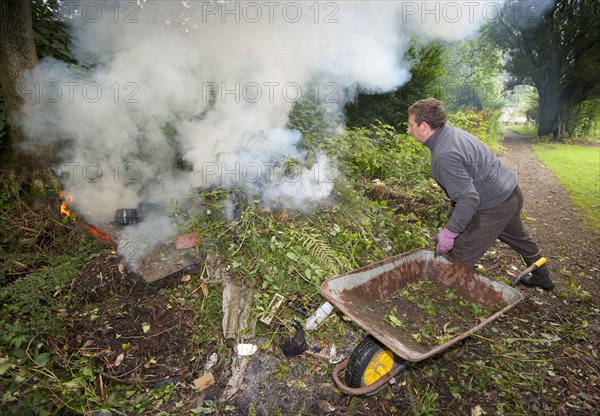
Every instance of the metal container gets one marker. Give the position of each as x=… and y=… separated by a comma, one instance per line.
x=126, y=216
x=351, y=293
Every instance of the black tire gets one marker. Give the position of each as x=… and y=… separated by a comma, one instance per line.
x=361, y=359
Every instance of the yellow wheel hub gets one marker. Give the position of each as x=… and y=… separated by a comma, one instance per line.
x=380, y=364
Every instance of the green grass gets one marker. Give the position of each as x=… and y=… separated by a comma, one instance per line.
x=578, y=169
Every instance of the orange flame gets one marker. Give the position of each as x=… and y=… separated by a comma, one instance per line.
x=64, y=209
x=65, y=204
x=99, y=234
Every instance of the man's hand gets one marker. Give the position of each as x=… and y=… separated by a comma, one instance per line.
x=445, y=241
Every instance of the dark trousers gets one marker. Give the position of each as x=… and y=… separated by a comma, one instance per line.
x=502, y=222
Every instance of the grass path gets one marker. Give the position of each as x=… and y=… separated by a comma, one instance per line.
x=578, y=170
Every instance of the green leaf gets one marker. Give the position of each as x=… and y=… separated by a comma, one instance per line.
x=43, y=359
x=532, y=340
x=19, y=340
x=72, y=384
x=455, y=391
x=393, y=320
x=4, y=367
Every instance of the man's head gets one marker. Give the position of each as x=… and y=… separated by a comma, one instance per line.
x=425, y=117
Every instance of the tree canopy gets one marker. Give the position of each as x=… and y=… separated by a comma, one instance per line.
x=472, y=75
x=464, y=74
x=554, y=49
x=390, y=108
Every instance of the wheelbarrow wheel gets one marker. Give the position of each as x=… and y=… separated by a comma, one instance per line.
x=369, y=361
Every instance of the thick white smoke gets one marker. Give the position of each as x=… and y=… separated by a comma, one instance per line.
x=209, y=85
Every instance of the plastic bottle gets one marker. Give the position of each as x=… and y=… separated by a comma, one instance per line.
x=320, y=314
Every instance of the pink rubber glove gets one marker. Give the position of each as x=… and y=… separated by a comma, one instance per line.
x=445, y=241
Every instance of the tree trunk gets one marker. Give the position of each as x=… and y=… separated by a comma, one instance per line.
x=551, y=108
x=17, y=54
x=548, y=114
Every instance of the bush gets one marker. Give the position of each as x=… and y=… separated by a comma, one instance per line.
x=485, y=125
x=378, y=153
x=586, y=124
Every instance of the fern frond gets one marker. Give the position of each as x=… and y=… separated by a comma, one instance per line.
x=319, y=249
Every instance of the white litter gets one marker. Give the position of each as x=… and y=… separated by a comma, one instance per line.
x=245, y=350
x=211, y=361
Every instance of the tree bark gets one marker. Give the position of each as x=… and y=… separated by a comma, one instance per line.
x=551, y=110
x=17, y=54
x=548, y=116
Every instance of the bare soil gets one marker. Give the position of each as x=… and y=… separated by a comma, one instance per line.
x=428, y=313
x=543, y=354
x=117, y=314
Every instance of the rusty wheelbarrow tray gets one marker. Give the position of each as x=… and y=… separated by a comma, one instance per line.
x=353, y=291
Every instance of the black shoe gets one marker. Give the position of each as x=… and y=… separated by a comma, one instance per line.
x=539, y=277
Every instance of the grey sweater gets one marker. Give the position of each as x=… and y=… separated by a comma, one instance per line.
x=469, y=173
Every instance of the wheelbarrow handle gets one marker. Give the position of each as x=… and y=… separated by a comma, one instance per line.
x=359, y=391
x=534, y=266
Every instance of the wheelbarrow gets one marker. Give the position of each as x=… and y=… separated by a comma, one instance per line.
x=364, y=295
